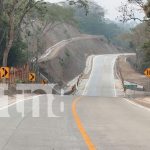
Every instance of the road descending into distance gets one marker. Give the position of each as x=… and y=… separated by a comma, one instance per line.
x=101, y=82
x=98, y=120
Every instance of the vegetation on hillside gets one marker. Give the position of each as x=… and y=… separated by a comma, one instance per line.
x=139, y=37
x=95, y=23
x=25, y=21
x=17, y=18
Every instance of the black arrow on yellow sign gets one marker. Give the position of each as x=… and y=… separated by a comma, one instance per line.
x=147, y=72
x=44, y=82
x=5, y=72
x=32, y=77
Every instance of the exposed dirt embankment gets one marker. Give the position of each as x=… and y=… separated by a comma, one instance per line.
x=70, y=61
x=60, y=32
x=129, y=73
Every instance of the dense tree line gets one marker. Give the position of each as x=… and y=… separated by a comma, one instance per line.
x=17, y=16
x=96, y=23
x=139, y=37
x=23, y=20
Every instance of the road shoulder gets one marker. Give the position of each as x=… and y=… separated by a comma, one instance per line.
x=129, y=74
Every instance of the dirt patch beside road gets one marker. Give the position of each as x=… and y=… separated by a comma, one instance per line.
x=129, y=74
x=143, y=101
x=70, y=61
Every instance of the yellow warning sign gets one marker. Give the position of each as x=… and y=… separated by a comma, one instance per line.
x=147, y=72
x=32, y=77
x=5, y=72
x=44, y=82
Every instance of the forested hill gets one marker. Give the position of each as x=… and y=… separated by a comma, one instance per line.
x=95, y=23
x=31, y=21
x=45, y=23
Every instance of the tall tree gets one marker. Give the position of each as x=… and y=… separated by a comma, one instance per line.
x=139, y=36
x=131, y=8
x=14, y=12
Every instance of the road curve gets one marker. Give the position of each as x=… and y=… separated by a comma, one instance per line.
x=115, y=124
x=57, y=132
x=101, y=81
x=101, y=121
x=111, y=122
x=51, y=52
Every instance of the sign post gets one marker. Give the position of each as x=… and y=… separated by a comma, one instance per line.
x=44, y=82
x=131, y=86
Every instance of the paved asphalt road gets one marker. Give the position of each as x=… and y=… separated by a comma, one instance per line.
x=41, y=133
x=104, y=123
x=101, y=81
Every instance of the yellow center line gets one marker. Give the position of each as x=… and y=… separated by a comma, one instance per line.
x=80, y=126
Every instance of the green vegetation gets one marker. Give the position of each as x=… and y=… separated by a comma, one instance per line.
x=27, y=21
x=96, y=24
x=28, y=18
x=139, y=37
x=24, y=23
x=146, y=57
x=61, y=61
x=13, y=16
x=65, y=60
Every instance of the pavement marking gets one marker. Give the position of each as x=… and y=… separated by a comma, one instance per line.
x=113, y=73
x=91, y=74
x=21, y=100
x=137, y=105
x=80, y=126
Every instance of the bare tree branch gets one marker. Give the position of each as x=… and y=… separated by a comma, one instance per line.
x=129, y=11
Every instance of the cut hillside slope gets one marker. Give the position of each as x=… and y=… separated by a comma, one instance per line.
x=130, y=74
x=60, y=32
x=51, y=36
x=70, y=61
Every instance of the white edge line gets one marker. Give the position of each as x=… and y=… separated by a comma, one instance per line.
x=85, y=89
x=117, y=55
x=27, y=99
x=129, y=101
x=137, y=105
x=113, y=70
x=115, y=93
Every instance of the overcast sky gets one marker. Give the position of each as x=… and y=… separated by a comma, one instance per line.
x=110, y=6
